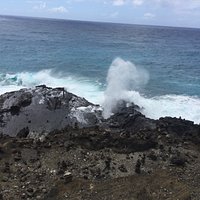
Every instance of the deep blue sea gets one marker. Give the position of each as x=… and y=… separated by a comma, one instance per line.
x=157, y=68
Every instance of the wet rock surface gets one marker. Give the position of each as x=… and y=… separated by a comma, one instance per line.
x=42, y=110
x=125, y=157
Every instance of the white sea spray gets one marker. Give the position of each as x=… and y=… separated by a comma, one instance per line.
x=123, y=76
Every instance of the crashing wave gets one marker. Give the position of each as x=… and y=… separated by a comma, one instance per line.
x=78, y=85
x=123, y=82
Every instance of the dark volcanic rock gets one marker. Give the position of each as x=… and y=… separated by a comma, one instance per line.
x=127, y=156
x=130, y=119
x=138, y=167
x=115, y=140
x=129, y=131
x=122, y=168
x=1, y=196
x=23, y=133
x=42, y=110
x=180, y=129
x=178, y=160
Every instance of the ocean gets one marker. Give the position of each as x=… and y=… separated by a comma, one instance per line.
x=157, y=68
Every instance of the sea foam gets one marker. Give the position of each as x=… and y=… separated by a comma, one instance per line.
x=123, y=82
x=122, y=76
x=77, y=85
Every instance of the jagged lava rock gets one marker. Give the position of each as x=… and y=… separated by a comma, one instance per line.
x=129, y=118
x=43, y=109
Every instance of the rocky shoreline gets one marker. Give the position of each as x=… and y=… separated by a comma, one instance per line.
x=55, y=145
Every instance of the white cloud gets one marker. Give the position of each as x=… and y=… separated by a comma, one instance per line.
x=118, y=2
x=180, y=4
x=174, y=4
x=42, y=6
x=114, y=14
x=137, y=2
x=38, y=5
x=149, y=15
x=60, y=9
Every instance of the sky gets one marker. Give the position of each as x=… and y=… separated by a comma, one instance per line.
x=184, y=13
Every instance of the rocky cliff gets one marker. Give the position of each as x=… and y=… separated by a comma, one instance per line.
x=42, y=110
x=80, y=155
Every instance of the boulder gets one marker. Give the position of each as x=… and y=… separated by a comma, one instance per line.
x=129, y=118
x=43, y=110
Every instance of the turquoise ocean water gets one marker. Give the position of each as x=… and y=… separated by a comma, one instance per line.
x=77, y=55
